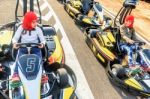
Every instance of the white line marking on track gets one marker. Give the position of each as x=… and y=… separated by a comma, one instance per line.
x=56, y=26
x=43, y=6
x=47, y=16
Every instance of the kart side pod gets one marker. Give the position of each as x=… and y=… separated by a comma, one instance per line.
x=54, y=52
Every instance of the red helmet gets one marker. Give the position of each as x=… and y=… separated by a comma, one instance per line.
x=28, y=19
x=129, y=20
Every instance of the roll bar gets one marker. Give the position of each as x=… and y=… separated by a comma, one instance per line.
x=127, y=8
x=25, y=9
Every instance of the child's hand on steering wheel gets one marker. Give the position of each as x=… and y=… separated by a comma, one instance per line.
x=130, y=41
x=41, y=45
x=15, y=46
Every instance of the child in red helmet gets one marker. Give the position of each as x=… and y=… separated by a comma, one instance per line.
x=128, y=38
x=28, y=32
x=127, y=31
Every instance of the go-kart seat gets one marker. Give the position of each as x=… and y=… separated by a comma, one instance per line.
x=92, y=32
x=48, y=30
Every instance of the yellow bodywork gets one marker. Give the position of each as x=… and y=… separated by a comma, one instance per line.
x=104, y=51
x=110, y=37
x=74, y=7
x=76, y=4
x=57, y=55
x=71, y=10
x=132, y=82
x=102, y=42
x=67, y=92
x=101, y=58
x=107, y=38
x=145, y=94
x=5, y=37
x=87, y=20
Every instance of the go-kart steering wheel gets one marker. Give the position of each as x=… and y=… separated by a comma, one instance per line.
x=28, y=44
x=24, y=45
x=138, y=44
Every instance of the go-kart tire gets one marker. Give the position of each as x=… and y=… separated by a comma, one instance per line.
x=63, y=77
x=116, y=68
x=119, y=71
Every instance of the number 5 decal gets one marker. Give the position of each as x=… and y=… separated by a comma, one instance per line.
x=30, y=64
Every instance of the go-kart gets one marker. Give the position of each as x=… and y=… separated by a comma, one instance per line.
x=59, y=81
x=101, y=42
x=135, y=80
x=36, y=79
x=80, y=14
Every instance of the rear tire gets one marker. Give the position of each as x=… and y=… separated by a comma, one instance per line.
x=119, y=71
x=62, y=77
x=116, y=68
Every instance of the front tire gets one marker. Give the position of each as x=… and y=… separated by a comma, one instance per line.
x=62, y=77
x=116, y=68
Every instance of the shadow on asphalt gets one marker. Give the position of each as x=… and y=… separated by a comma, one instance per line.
x=123, y=93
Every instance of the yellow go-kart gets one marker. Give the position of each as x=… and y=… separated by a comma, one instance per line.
x=81, y=15
x=101, y=42
x=134, y=80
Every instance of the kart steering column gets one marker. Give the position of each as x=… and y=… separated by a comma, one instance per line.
x=29, y=50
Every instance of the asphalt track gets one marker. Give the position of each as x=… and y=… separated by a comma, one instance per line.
x=94, y=72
